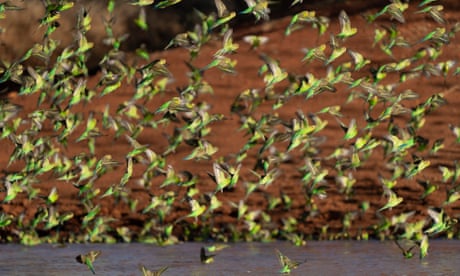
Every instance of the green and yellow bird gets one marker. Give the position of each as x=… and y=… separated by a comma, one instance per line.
x=88, y=259
x=206, y=259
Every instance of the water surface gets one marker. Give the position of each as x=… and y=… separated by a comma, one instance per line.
x=323, y=258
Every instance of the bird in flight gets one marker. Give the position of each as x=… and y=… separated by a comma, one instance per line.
x=88, y=259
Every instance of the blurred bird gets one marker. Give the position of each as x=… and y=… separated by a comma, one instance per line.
x=315, y=53
x=141, y=2
x=395, y=10
x=221, y=8
x=206, y=259
x=8, y=111
x=350, y=131
x=407, y=253
x=7, y=5
x=259, y=8
x=228, y=46
x=423, y=244
x=88, y=259
x=393, y=199
x=217, y=247
x=345, y=24
x=426, y=2
x=435, y=12
x=442, y=222
x=224, y=175
x=146, y=272
x=276, y=75
x=204, y=151
x=166, y=3
x=196, y=211
x=456, y=131
x=255, y=40
x=286, y=264
x=358, y=60
x=428, y=188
